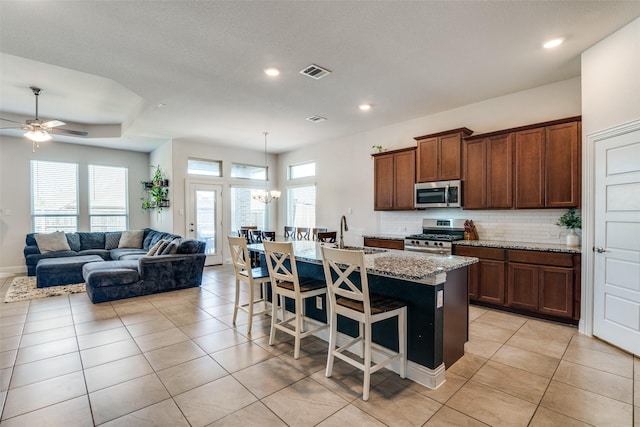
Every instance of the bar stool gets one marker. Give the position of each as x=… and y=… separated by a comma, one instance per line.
x=302, y=233
x=327, y=237
x=315, y=231
x=289, y=232
x=356, y=303
x=285, y=283
x=269, y=236
x=248, y=275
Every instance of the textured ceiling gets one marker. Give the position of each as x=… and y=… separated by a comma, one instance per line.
x=106, y=66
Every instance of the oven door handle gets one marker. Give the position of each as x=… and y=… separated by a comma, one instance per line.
x=439, y=251
x=446, y=194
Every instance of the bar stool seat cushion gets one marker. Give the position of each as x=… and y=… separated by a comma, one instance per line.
x=306, y=284
x=378, y=303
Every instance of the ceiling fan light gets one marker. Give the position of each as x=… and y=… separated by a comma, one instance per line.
x=38, y=136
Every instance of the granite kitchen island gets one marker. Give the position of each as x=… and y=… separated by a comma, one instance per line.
x=435, y=290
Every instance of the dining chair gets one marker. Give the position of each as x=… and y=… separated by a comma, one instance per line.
x=302, y=233
x=343, y=269
x=269, y=236
x=251, y=276
x=327, y=237
x=285, y=283
x=315, y=231
x=289, y=232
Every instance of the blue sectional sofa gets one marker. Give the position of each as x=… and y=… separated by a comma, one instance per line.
x=112, y=273
x=92, y=243
x=112, y=280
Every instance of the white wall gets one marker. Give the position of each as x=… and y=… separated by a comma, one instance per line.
x=15, y=193
x=344, y=167
x=610, y=97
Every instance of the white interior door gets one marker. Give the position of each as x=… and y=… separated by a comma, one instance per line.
x=204, y=219
x=617, y=241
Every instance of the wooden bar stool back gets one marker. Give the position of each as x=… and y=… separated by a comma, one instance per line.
x=302, y=233
x=285, y=283
x=327, y=237
x=269, y=236
x=289, y=232
x=315, y=231
x=349, y=300
x=251, y=276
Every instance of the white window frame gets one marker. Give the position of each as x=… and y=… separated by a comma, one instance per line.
x=110, y=182
x=291, y=217
x=195, y=172
x=35, y=215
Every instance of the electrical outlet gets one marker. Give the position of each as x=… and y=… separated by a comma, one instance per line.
x=319, y=303
x=440, y=299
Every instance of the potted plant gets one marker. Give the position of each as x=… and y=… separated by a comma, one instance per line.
x=571, y=221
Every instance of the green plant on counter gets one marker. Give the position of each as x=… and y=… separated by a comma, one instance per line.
x=379, y=148
x=570, y=220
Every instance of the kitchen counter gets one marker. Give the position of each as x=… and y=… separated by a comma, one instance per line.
x=435, y=289
x=546, y=247
x=404, y=265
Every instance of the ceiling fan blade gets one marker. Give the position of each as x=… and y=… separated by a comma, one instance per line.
x=12, y=121
x=13, y=127
x=53, y=123
x=61, y=131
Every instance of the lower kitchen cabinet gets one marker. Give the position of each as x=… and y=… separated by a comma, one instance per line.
x=544, y=284
x=487, y=277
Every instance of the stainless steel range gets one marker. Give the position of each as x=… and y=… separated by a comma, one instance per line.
x=436, y=237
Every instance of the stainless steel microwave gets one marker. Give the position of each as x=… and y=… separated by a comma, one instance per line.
x=438, y=194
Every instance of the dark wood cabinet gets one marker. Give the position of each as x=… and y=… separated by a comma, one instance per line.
x=384, y=243
x=487, y=277
x=562, y=166
x=488, y=172
x=439, y=155
x=542, y=282
x=533, y=166
x=394, y=179
x=546, y=284
x=529, y=168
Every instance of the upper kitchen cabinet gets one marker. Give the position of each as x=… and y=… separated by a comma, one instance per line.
x=439, y=155
x=394, y=179
x=488, y=172
x=547, y=165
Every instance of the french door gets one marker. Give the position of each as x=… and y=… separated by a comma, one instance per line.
x=204, y=219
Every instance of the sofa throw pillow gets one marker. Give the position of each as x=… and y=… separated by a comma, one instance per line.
x=171, y=248
x=131, y=239
x=154, y=248
x=112, y=239
x=161, y=247
x=52, y=242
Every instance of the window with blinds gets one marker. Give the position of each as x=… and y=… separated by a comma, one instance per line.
x=301, y=206
x=108, y=208
x=54, y=196
x=245, y=210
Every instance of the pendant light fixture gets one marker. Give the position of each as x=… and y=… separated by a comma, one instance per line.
x=266, y=196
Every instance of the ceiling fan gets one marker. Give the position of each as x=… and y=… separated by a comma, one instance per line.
x=39, y=131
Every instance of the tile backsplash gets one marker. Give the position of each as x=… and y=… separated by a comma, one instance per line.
x=522, y=225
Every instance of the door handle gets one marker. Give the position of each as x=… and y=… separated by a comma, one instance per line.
x=599, y=249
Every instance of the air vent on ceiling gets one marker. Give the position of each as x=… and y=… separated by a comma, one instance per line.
x=316, y=119
x=315, y=71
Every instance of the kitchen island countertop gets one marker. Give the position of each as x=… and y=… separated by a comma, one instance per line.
x=404, y=265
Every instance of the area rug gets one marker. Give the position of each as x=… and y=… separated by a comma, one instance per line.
x=23, y=288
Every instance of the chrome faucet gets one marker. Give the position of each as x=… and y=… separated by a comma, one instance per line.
x=343, y=220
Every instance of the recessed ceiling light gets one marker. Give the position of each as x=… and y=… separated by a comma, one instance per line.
x=364, y=107
x=553, y=43
x=272, y=71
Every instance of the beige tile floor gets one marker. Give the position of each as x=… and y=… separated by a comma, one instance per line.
x=174, y=359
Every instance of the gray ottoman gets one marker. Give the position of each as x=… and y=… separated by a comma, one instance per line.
x=62, y=271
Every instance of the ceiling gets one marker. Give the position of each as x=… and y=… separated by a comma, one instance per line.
x=135, y=74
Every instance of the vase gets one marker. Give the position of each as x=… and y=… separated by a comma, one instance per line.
x=572, y=238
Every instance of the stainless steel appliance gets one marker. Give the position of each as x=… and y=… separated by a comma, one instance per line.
x=438, y=194
x=436, y=237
